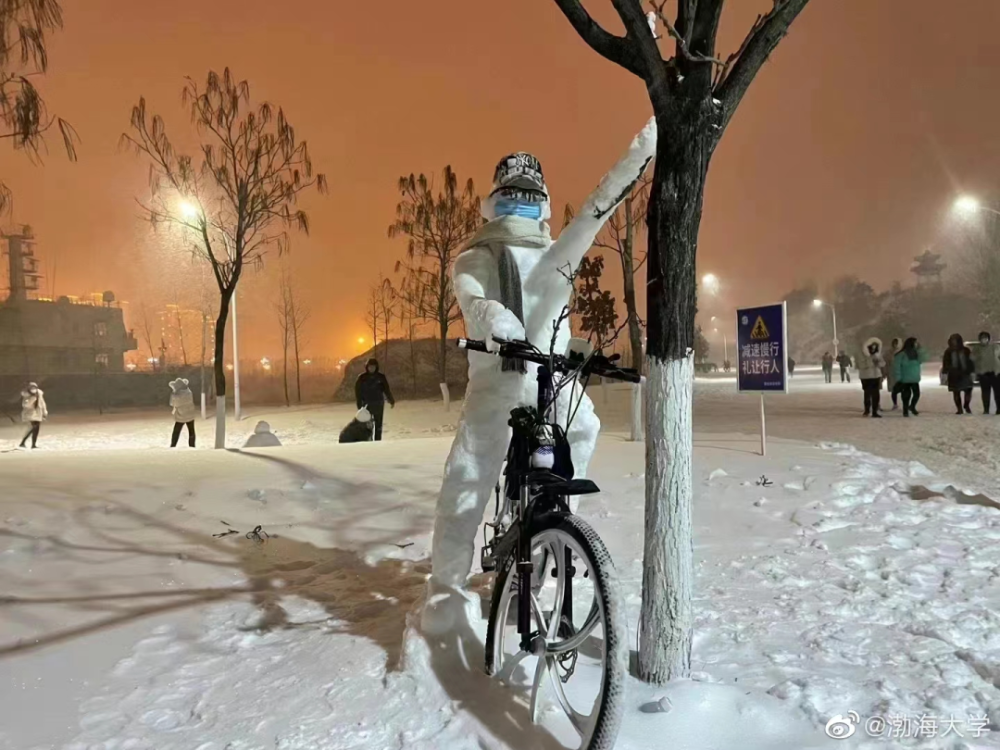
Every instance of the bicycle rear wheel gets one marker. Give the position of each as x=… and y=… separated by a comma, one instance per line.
x=577, y=663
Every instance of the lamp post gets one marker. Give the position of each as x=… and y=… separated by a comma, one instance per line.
x=817, y=303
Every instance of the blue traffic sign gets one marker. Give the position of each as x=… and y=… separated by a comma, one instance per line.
x=762, y=349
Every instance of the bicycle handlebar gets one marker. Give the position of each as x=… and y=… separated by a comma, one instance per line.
x=596, y=364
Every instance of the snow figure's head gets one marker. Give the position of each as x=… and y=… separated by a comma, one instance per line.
x=518, y=189
x=262, y=428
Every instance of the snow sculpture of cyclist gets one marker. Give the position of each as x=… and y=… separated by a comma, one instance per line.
x=511, y=282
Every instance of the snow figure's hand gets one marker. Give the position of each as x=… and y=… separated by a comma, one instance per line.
x=619, y=181
x=504, y=325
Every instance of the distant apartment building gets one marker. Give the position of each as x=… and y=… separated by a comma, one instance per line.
x=69, y=336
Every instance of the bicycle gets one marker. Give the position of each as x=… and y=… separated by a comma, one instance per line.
x=551, y=567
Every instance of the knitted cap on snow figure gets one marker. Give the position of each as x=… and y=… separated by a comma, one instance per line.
x=518, y=189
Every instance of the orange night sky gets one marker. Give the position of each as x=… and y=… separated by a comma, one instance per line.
x=844, y=157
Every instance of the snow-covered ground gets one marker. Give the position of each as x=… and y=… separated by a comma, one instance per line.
x=846, y=582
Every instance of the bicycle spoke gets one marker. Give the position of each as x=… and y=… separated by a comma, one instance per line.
x=575, y=641
x=512, y=663
x=536, y=688
x=560, y=559
x=577, y=719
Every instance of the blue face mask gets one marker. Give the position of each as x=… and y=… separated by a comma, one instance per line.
x=519, y=208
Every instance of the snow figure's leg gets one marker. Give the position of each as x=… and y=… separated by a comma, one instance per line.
x=582, y=432
x=470, y=475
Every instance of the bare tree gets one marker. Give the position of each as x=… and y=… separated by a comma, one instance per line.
x=409, y=317
x=300, y=314
x=283, y=307
x=179, y=318
x=619, y=236
x=238, y=200
x=24, y=25
x=373, y=314
x=438, y=226
x=388, y=303
x=147, y=330
x=694, y=95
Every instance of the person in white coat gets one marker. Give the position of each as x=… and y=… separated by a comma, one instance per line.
x=513, y=282
x=34, y=412
x=871, y=365
x=182, y=406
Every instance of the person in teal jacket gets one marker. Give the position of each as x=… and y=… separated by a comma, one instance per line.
x=906, y=369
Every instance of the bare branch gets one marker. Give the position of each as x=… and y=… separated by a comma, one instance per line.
x=741, y=68
x=683, y=47
x=614, y=48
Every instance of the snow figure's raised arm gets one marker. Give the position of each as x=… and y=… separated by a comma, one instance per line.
x=550, y=281
x=484, y=318
x=575, y=240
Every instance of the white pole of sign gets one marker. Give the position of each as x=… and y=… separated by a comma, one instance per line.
x=763, y=427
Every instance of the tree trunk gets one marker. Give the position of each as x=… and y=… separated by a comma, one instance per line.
x=413, y=364
x=225, y=297
x=284, y=361
x=683, y=151
x=204, y=344
x=298, y=365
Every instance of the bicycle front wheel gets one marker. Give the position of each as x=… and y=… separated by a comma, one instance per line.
x=572, y=677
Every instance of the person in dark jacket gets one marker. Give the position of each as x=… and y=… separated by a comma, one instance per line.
x=958, y=366
x=828, y=367
x=372, y=391
x=845, y=367
x=986, y=358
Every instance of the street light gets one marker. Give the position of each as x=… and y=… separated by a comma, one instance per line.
x=818, y=303
x=969, y=204
x=711, y=283
x=189, y=210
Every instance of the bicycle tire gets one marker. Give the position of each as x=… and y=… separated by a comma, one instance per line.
x=604, y=732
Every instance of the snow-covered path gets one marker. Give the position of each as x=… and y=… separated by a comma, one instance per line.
x=966, y=449
x=849, y=582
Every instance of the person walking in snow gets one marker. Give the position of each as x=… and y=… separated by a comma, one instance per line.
x=372, y=391
x=870, y=365
x=33, y=411
x=827, y=367
x=891, y=383
x=906, y=366
x=987, y=362
x=182, y=407
x=958, y=366
x=845, y=367
x=511, y=283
